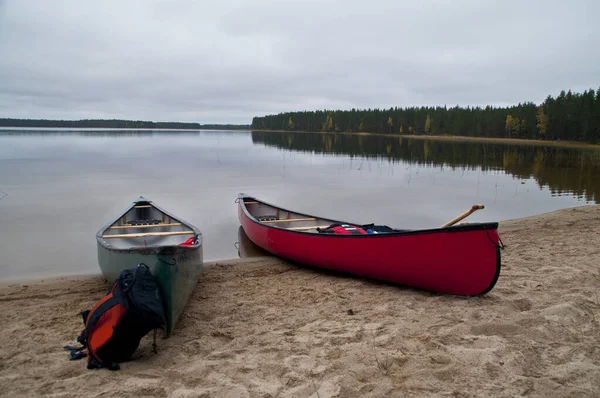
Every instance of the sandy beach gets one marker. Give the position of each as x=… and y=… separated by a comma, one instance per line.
x=260, y=327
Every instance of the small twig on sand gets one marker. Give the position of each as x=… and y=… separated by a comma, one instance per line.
x=383, y=367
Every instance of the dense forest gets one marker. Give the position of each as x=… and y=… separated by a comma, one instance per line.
x=116, y=124
x=563, y=169
x=569, y=116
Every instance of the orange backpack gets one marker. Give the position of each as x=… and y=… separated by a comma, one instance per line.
x=116, y=324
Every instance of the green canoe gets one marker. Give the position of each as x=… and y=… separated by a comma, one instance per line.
x=169, y=246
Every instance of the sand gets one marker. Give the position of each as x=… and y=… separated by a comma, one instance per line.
x=263, y=328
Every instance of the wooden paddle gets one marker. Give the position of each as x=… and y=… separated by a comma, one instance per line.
x=464, y=215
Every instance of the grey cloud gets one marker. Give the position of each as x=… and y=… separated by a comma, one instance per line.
x=228, y=62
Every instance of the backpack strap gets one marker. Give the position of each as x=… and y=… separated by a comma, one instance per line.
x=107, y=302
x=75, y=353
x=97, y=313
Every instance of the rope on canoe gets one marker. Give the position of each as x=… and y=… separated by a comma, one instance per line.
x=500, y=244
x=163, y=261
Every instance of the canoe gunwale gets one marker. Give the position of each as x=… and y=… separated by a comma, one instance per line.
x=454, y=228
x=155, y=250
x=151, y=249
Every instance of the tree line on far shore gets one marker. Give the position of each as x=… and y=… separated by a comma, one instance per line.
x=569, y=116
x=116, y=124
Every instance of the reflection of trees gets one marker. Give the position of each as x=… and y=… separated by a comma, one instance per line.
x=563, y=169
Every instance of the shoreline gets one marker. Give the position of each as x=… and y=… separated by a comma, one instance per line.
x=520, y=141
x=503, y=226
x=497, y=140
x=75, y=129
x=261, y=327
x=36, y=279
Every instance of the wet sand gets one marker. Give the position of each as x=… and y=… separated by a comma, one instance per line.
x=260, y=327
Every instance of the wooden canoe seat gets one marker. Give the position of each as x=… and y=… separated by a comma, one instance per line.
x=175, y=224
x=143, y=234
x=142, y=206
x=290, y=220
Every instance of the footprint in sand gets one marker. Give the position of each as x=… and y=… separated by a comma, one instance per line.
x=564, y=313
x=496, y=329
x=521, y=304
x=477, y=350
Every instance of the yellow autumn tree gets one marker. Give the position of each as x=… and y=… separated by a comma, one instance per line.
x=389, y=123
x=290, y=123
x=508, y=124
x=517, y=126
x=542, y=121
x=427, y=124
x=328, y=124
x=401, y=129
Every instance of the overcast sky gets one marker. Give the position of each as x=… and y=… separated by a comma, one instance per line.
x=229, y=60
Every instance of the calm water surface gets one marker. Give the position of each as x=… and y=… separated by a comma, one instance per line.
x=58, y=187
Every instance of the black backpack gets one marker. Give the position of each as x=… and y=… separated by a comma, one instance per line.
x=116, y=324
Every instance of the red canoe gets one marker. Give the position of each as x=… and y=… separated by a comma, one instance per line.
x=462, y=259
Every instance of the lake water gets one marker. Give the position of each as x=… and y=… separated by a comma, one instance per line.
x=58, y=187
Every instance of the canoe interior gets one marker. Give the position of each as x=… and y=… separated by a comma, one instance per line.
x=274, y=216
x=144, y=225
x=277, y=217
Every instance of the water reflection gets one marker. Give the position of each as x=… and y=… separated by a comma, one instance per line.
x=246, y=248
x=74, y=181
x=564, y=170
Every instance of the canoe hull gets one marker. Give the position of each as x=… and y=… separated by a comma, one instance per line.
x=176, y=267
x=461, y=260
x=177, y=275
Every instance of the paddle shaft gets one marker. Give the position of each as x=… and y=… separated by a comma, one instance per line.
x=462, y=216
